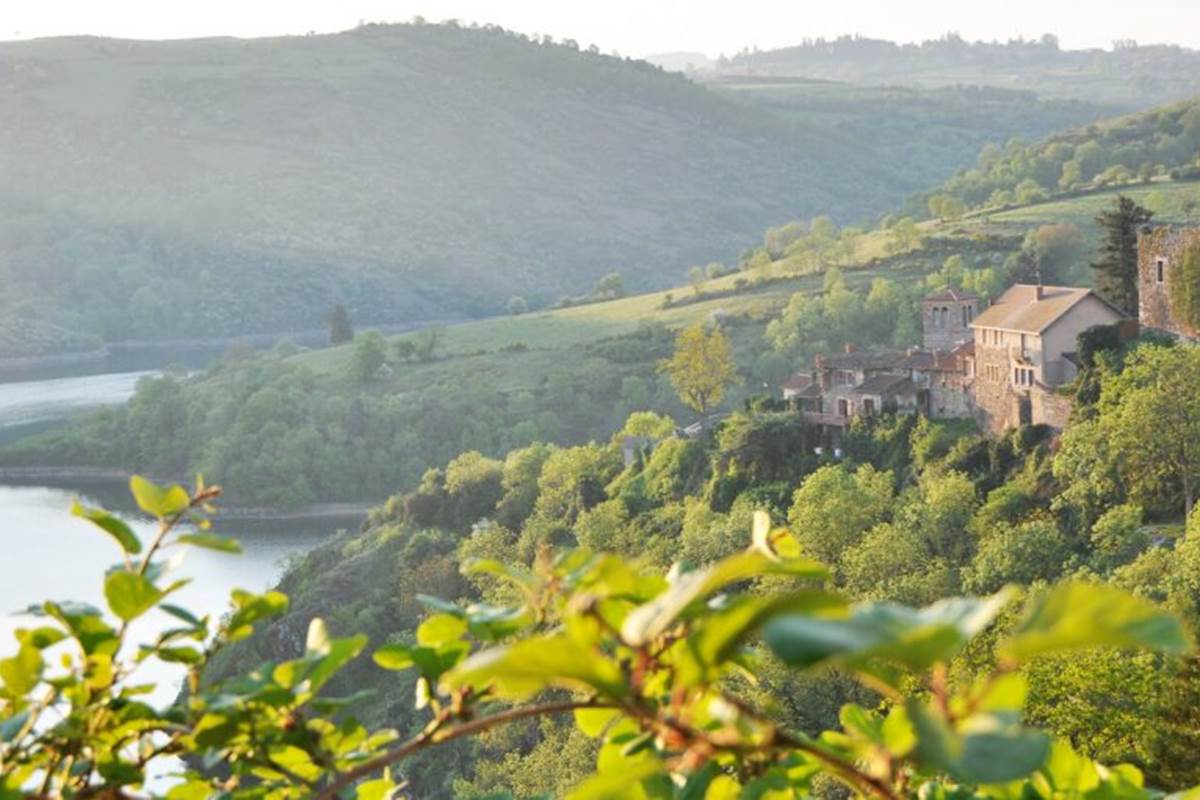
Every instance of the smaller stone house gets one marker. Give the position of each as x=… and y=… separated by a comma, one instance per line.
x=1024, y=345
x=1161, y=250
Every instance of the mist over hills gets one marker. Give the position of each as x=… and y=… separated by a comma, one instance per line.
x=412, y=171
x=1127, y=75
x=220, y=187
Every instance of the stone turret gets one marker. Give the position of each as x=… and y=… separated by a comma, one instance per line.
x=946, y=319
x=1161, y=252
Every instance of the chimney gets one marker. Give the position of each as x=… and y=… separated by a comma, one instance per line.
x=1039, y=292
x=850, y=348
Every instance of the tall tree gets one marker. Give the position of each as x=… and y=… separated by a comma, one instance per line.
x=701, y=368
x=1152, y=424
x=370, y=354
x=340, y=328
x=1117, y=267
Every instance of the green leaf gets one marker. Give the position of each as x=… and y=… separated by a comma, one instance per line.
x=11, y=726
x=526, y=667
x=987, y=749
x=1075, y=615
x=41, y=637
x=393, y=656
x=130, y=595
x=182, y=614
x=911, y=638
x=212, y=541
x=378, y=789
x=617, y=784
x=158, y=501
x=592, y=721
x=718, y=635
x=440, y=629
x=21, y=673
x=114, y=526
x=650, y=620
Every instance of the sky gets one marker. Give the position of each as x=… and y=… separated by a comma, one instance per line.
x=632, y=27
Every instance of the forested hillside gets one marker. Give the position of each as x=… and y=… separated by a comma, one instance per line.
x=1147, y=148
x=914, y=511
x=922, y=132
x=358, y=420
x=411, y=171
x=1131, y=75
x=415, y=172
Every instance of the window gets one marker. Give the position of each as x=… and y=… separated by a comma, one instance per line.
x=1160, y=268
x=1022, y=376
x=966, y=312
x=868, y=406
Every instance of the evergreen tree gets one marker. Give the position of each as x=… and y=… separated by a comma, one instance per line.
x=340, y=328
x=1117, y=268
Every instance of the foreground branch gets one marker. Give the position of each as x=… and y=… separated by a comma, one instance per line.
x=436, y=734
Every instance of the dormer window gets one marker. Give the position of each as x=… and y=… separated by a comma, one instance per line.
x=1160, y=269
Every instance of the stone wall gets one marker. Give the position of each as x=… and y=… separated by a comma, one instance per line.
x=996, y=404
x=1050, y=408
x=1154, y=300
x=955, y=331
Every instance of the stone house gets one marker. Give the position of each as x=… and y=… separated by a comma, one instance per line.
x=1161, y=250
x=1023, y=349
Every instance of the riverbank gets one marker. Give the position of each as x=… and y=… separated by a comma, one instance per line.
x=116, y=480
x=126, y=355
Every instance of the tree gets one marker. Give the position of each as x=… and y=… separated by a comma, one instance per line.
x=404, y=349
x=696, y=280
x=835, y=507
x=1185, y=289
x=517, y=305
x=1117, y=263
x=428, y=341
x=701, y=368
x=340, y=328
x=631, y=656
x=610, y=287
x=370, y=354
x=1053, y=250
x=1152, y=420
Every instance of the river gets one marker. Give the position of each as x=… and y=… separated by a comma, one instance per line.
x=45, y=553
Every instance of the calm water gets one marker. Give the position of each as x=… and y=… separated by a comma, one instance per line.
x=48, y=554
x=29, y=403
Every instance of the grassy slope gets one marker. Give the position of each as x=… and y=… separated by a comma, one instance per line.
x=552, y=331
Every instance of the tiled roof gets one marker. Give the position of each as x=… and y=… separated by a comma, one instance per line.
x=797, y=382
x=1020, y=309
x=861, y=359
x=951, y=295
x=886, y=386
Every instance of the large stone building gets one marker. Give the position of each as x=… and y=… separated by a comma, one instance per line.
x=1023, y=350
x=1161, y=251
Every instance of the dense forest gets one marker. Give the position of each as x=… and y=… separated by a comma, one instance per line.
x=1128, y=74
x=911, y=511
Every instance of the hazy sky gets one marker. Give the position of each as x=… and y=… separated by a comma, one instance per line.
x=634, y=27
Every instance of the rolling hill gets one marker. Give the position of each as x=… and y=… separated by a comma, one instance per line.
x=411, y=171
x=220, y=187
x=1129, y=75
